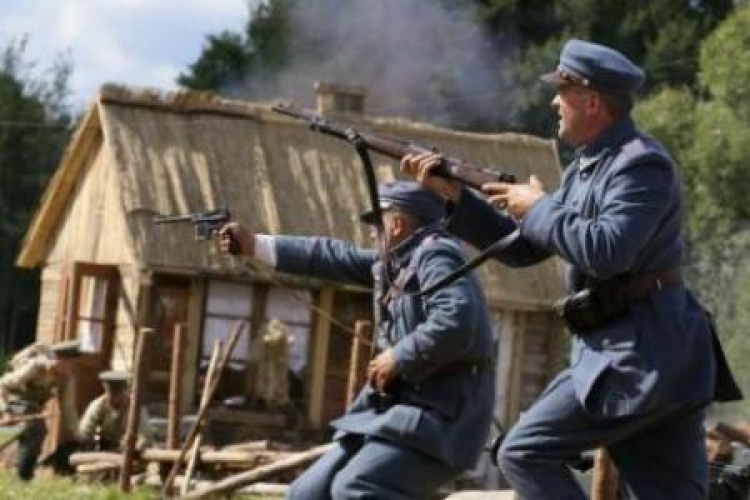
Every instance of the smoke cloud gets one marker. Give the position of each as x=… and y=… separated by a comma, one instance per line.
x=419, y=59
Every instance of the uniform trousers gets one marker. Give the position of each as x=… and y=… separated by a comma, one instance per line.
x=660, y=455
x=363, y=467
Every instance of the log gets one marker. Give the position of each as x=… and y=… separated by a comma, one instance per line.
x=91, y=457
x=243, y=479
x=134, y=411
x=259, y=445
x=233, y=458
x=94, y=467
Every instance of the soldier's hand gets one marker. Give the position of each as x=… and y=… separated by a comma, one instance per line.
x=517, y=199
x=236, y=240
x=382, y=370
x=422, y=167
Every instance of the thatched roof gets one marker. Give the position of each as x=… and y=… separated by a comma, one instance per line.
x=188, y=151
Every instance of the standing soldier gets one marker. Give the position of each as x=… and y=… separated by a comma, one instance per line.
x=104, y=422
x=643, y=365
x=36, y=374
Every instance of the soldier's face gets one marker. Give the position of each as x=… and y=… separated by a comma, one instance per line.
x=573, y=104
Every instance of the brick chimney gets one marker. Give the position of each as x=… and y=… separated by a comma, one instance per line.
x=340, y=98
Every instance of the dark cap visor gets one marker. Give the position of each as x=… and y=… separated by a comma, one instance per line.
x=562, y=77
x=369, y=217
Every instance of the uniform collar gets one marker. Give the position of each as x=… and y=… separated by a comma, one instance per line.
x=588, y=156
x=400, y=255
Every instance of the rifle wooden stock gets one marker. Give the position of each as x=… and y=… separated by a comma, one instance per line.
x=452, y=168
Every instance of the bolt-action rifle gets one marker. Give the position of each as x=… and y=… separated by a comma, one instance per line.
x=452, y=168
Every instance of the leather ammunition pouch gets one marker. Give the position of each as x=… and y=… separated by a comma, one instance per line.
x=605, y=301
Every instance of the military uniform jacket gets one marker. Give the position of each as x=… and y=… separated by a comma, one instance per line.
x=110, y=424
x=445, y=416
x=30, y=384
x=619, y=210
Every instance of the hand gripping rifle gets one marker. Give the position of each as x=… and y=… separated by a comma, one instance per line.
x=451, y=168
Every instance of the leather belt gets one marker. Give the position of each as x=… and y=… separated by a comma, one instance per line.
x=645, y=284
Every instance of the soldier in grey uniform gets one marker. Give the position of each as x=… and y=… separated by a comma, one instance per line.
x=642, y=362
x=425, y=414
x=36, y=374
x=104, y=422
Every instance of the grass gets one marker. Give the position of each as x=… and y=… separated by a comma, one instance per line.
x=52, y=488
x=63, y=489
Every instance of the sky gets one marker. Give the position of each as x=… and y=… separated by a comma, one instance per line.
x=135, y=42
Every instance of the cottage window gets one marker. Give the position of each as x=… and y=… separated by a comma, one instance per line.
x=227, y=303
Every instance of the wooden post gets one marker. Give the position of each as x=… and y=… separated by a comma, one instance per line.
x=605, y=478
x=174, y=412
x=134, y=411
x=319, y=358
x=234, y=337
x=362, y=332
x=210, y=375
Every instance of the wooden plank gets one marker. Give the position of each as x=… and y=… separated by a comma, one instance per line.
x=319, y=358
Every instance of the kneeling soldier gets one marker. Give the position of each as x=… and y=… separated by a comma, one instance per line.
x=104, y=422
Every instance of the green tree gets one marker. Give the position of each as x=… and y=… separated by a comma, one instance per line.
x=228, y=58
x=707, y=130
x=34, y=128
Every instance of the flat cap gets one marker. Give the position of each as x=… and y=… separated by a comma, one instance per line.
x=67, y=349
x=409, y=197
x=115, y=378
x=596, y=66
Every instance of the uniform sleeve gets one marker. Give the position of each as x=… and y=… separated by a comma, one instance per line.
x=476, y=222
x=93, y=417
x=451, y=316
x=17, y=380
x=325, y=258
x=636, y=198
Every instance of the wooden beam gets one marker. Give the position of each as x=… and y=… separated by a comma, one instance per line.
x=319, y=358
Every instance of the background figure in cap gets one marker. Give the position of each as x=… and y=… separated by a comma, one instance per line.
x=425, y=413
x=104, y=422
x=642, y=364
x=37, y=373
